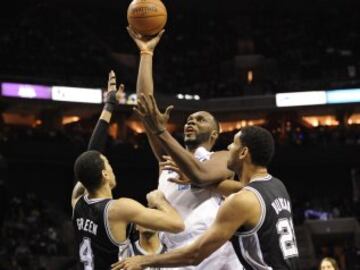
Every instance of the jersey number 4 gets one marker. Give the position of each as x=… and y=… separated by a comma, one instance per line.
x=86, y=254
x=287, y=239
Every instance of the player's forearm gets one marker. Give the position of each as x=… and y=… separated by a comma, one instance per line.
x=98, y=137
x=145, y=83
x=172, y=215
x=179, y=257
x=155, y=145
x=186, y=162
x=227, y=187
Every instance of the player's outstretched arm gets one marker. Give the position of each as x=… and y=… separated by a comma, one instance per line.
x=98, y=137
x=145, y=83
x=161, y=217
x=112, y=98
x=200, y=173
x=235, y=211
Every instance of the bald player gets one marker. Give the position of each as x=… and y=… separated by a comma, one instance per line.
x=196, y=205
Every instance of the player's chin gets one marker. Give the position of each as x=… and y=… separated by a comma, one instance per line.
x=189, y=137
x=113, y=185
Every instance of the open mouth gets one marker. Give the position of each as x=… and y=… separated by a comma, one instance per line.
x=189, y=130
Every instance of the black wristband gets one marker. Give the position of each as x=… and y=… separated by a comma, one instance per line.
x=109, y=107
x=110, y=101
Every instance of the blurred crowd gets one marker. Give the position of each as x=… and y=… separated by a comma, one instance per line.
x=207, y=50
x=31, y=232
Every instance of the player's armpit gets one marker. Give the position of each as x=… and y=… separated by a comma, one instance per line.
x=128, y=210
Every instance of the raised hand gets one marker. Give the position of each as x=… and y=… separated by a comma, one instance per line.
x=114, y=95
x=132, y=263
x=148, y=112
x=145, y=43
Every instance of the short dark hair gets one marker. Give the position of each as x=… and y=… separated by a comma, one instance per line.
x=88, y=169
x=260, y=143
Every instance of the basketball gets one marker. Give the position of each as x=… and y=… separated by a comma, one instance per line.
x=147, y=17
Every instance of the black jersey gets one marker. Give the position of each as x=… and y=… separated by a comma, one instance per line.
x=138, y=250
x=97, y=249
x=271, y=244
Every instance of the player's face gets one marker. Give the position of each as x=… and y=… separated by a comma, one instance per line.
x=198, y=128
x=326, y=265
x=110, y=176
x=234, y=162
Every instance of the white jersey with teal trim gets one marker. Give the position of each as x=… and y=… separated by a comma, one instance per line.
x=198, y=208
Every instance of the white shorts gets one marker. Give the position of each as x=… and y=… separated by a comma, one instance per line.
x=224, y=258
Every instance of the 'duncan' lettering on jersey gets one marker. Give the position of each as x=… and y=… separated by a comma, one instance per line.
x=86, y=225
x=280, y=204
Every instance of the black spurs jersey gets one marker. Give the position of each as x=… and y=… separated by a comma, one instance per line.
x=97, y=249
x=272, y=243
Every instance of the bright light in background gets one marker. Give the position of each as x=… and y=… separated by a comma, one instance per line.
x=135, y=126
x=70, y=119
x=187, y=96
x=250, y=76
x=75, y=94
x=354, y=119
x=343, y=96
x=235, y=125
x=322, y=120
x=300, y=99
x=25, y=90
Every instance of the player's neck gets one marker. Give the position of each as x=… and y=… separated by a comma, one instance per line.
x=150, y=244
x=192, y=147
x=251, y=172
x=102, y=192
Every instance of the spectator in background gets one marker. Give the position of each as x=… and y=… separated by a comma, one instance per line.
x=328, y=263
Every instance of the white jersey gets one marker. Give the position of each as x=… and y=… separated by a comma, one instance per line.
x=198, y=208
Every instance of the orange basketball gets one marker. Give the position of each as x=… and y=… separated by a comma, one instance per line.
x=147, y=17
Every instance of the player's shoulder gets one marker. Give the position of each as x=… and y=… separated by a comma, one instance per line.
x=244, y=199
x=122, y=202
x=220, y=154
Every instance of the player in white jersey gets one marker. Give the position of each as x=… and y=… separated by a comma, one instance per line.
x=197, y=206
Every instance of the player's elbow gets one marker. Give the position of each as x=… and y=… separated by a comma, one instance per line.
x=200, y=179
x=178, y=226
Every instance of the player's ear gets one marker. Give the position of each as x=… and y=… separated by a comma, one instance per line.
x=244, y=153
x=105, y=174
x=214, y=135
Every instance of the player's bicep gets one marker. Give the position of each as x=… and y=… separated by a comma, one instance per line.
x=215, y=169
x=128, y=210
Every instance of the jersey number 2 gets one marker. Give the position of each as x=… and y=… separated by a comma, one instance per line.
x=287, y=238
x=86, y=254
